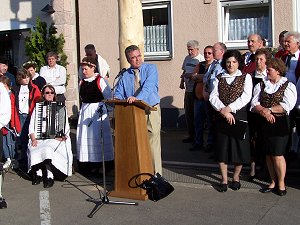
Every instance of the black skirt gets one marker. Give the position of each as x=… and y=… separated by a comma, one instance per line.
x=229, y=147
x=275, y=136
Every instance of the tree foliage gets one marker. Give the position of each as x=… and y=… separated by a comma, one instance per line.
x=44, y=39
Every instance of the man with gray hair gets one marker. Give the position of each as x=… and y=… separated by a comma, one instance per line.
x=291, y=44
x=292, y=62
x=189, y=65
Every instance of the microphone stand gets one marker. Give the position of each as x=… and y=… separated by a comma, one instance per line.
x=103, y=196
x=120, y=74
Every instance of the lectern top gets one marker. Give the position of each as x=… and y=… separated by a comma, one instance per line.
x=138, y=103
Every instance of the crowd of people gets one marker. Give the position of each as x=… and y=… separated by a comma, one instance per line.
x=35, y=101
x=248, y=104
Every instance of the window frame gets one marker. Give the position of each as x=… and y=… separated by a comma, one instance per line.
x=225, y=5
x=161, y=55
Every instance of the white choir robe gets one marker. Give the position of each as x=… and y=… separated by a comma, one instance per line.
x=59, y=152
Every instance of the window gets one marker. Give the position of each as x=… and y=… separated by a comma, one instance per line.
x=157, y=30
x=241, y=18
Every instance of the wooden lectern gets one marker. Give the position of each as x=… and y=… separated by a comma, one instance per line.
x=132, y=148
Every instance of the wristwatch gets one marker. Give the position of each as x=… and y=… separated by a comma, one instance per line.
x=270, y=109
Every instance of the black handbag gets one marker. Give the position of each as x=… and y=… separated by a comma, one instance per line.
x=157, y=187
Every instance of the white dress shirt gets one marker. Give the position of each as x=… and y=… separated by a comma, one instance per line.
x=56, y=76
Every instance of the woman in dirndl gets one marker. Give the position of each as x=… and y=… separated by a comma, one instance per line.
x=93, y=129
x=273, y=99
x=232, y=91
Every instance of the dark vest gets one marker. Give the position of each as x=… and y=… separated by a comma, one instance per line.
x=90, y=92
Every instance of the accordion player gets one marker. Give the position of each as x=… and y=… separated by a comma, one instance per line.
x=50, y=120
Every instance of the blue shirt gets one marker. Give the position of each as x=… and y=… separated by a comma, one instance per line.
x=148, y=81
x=214, y=69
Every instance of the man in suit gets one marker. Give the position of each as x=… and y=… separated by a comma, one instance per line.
x=292, y=62
x=254, y=42
x=291, y=44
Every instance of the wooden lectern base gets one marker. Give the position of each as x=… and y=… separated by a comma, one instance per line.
x=127, y=195
x=132, y=149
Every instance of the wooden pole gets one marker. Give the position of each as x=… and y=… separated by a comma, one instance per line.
x=131, y=28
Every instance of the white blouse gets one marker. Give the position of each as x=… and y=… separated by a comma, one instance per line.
x=290, y=94
x=5, y=108
x=24, y=99
x=242, y=101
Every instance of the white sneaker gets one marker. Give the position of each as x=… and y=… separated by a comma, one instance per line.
x=7, y=164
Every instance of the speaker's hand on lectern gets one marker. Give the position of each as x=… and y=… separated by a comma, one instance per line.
x=131, y=99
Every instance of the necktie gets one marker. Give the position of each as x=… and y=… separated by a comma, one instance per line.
x=136, y=81
x=288, y=60
x=251, y=58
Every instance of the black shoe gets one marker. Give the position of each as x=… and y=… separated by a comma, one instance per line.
x=3, y=204
x=188, y=140
x=267, y=190
x=48, y=183
x=196, y=147
x=209, y=148
x=36, y=180
x=235, y=185
x=251, y=178
x=222, y=188
x=281, y=192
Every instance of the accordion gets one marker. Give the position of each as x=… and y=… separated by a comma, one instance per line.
x=50, y=120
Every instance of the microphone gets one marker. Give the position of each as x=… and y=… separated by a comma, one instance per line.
x=120, y=73
x=100, y=111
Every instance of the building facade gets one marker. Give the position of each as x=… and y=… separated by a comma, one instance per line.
x=168, y=25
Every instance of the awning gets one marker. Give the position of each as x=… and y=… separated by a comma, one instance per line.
x=14, y=25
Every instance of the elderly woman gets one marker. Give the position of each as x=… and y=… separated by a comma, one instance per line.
x=261, y=57
x=49, y=157
x=93, y=116
x=273, y=99
x=231, y=93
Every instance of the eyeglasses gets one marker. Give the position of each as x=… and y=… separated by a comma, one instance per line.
x=49, y=92
x=207, y=53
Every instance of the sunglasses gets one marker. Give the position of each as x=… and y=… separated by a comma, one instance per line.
x=207, y=53
x=49, y=92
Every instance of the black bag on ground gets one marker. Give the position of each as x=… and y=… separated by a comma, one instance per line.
x=157, y=187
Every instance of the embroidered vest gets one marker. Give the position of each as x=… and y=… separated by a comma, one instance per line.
x=228, y=93
x=269, y=100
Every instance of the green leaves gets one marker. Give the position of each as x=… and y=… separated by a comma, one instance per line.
x=42, y=40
